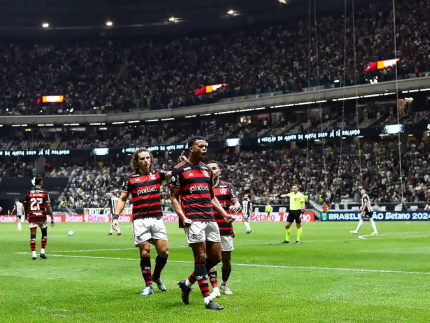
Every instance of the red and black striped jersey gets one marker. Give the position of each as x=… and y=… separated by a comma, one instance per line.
x=195, y=183
x=145, y=193
x=225, y=193
x=35, y=205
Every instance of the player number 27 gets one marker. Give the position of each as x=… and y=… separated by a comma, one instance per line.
x=35, y=203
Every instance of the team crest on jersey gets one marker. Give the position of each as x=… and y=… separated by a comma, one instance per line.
x=152, y=177
x=223, y=191
x=205, y=173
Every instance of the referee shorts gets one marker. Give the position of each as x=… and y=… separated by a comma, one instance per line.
x=294, y=215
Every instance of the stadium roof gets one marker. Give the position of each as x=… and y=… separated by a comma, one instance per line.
x=44, y=20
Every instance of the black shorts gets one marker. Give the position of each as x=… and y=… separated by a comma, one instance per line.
x=294, y=215
x=368, y=215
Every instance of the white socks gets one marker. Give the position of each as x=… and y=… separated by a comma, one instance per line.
x=188, y=284
x=207, y=299
x=42, y=250
x=248, y=227
x=34, y=253
x=19, y=226
x=360, y=223
x=372, y=222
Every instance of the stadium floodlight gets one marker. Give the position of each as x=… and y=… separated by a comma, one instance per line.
x=45, y=25
x=230, y=12
x=172, y=19
x=109, y=23
x=283, y=1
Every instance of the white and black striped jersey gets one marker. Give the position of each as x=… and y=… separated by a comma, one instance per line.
x=246, y=207
x=19, y=208
x=113, y=200
x=365, y=198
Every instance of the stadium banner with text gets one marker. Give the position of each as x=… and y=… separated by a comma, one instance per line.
x=96, y=215
x=378, y=216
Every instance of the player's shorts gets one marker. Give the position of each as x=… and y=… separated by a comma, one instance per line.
x=246, y=217
x=41, y=225
x=368, y=215
x=202, y=231
x=227, y=243
x=20, y=218
x=294, y=215
x=148, y=228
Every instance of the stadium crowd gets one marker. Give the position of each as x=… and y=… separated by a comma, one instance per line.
x=119, y=75
x=269, y=174
x=369, y=115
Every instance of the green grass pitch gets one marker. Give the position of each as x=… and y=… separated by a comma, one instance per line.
x=333, y=276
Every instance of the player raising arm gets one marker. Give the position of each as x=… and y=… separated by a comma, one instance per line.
x=192, y=182
x=37, y=206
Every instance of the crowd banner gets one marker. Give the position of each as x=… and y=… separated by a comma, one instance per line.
x=378, y=216
x=98, y=215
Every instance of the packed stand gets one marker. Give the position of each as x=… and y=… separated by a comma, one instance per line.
x=108, y=76
x=269, y=174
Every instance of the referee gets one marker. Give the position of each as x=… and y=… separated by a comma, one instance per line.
x=297, y=208
x=111, y=204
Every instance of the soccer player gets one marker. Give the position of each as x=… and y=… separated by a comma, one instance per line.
x=366, y=213
x=111, y=204
x=297, y=208
x=192, y=182
x=247, y=210
x=18, y=209
x=268, y=210
x=148, y=227
x=37, y=206
x=227, y=195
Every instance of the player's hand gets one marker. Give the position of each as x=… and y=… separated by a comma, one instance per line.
x=234, y=209
x=115, y=225
x=187, y=222
x=182, y=157
x=52, y=223
x=229, y=218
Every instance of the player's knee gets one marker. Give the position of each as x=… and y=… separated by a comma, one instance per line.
x=164, y=253
x=145, y=253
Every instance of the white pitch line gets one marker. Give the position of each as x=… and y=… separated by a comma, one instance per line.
x=258, y=265
x=260, y=243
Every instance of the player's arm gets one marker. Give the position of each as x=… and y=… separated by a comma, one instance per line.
x=14, y=209
x=174, y=198
x=26, y=207
x=49, y=209
x=235, y=206
x=180, y=160
x=120, y=205
x=364, y=207
x=217, y=206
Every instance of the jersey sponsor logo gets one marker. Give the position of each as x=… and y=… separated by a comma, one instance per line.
x=146, y=190
x=223, y=203
x=199, y=188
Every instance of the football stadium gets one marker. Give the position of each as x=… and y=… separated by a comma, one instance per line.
x=215, y=161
